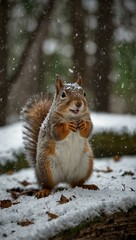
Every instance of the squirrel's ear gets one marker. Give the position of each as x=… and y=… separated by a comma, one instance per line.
x=58, y=83
x=79, y=80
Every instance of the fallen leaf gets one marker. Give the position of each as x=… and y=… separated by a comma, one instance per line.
x=116, y=158
x=10, y=172
x=18, y=189
x=29, y=192
x=7, y=203
x=90, y=187
x=15, y=195
x=24, y=223
x=63, y=199
x=16, y=192
x=24, y=183
x=129, y=173
x=52, y=215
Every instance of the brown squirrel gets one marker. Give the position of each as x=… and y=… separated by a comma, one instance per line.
x=56, y=136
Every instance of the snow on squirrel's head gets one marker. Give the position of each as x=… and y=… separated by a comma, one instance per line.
x=70, y=98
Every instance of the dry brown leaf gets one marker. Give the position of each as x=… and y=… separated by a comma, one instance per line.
x=10, y=172
x=90, y=187
x=63, y=199
x=24, y=223
x=52, y=215
x=29, y=192
x=16, y=192
x=18, y=189
x=116, y=158
x=129, y=173
x=15, y=195
x=24, y=183
x=7, y=203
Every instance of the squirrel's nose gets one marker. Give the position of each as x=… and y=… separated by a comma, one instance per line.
x=78, y=104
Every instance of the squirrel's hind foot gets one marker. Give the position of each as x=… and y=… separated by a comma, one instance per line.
x=43, y=193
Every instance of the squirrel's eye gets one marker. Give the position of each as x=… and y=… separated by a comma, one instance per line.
x=84, y=94
x=63, y=94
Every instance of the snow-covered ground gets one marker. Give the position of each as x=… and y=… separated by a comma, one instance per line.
x=32, y=218
x=114, y=122
x=27, y=217
x=11, y=142
x=11, y=136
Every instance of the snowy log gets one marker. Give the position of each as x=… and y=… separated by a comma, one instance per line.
x=113, y=144
x=120, y=225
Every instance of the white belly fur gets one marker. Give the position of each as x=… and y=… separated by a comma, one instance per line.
x=70, y=162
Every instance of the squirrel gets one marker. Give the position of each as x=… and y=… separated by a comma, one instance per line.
x=57, y=136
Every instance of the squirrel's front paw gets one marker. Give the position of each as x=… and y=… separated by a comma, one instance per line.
x=81, y=125
x=72, y=126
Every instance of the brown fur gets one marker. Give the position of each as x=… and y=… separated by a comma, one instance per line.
x=69, y=115
x=84, y=128
x=61, y=131
x=34, y=113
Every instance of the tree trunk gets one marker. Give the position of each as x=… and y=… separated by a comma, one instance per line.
x=4, y=86
x=27, y=70
x=78, y=37
x=28, y=73
x=102, y=68
x=28, y=78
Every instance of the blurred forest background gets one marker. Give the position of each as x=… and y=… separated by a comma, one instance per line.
x=96, y=38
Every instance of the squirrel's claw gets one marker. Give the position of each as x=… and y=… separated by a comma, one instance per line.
x=81, y=124
x=43, y=193
x=72, y=126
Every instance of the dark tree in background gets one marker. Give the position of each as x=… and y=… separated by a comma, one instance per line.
x=25, y=76
x=4, y=82
x=78, y=37
x=102, y=67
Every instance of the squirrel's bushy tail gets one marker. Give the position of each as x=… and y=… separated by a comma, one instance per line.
x=34, y=112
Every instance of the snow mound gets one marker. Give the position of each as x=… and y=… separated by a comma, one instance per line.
x=117, y=183
x=115, y=123
x=11, y=142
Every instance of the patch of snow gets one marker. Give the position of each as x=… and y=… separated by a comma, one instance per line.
x=90, y=5
x=11, y=141
x=70, y=70
x=90, y=47
x=121, y=34
x=49, y=46
x=116, y=123
x=116, y=193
